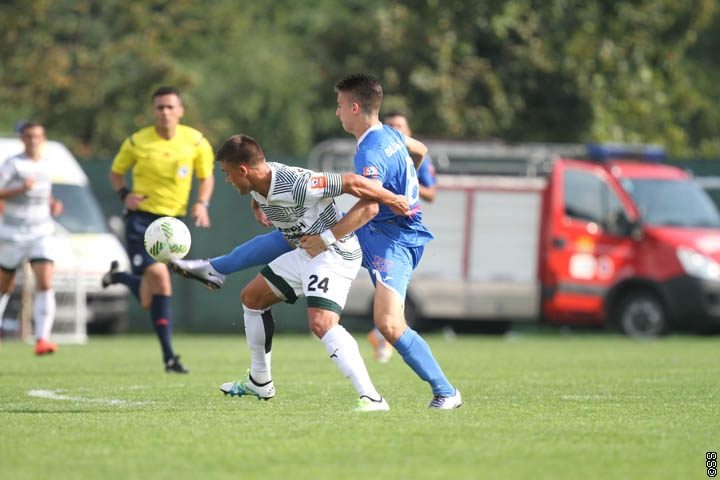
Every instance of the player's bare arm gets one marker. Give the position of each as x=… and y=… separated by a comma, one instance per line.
x=199, y=211
x=56, y=207
x=11, y=192
x=260, y=216
x=363, y=188
x=428, y=193
x=360, y=214
x=417, y=151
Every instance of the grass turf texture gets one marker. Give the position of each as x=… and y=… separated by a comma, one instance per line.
x=535, y=406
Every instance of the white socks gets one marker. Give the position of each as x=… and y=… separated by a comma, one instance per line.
x=3, y=304
x=256, y=337
x=44, y=313
x=341, y=346
x=344, y=351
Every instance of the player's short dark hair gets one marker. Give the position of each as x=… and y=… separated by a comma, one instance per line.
x=394, y=113
x=166, y=90
x=28, y=125
x=240, y=149
x=367, y=91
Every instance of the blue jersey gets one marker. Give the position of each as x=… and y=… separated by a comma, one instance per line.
x=382, y=155
x=426, y=172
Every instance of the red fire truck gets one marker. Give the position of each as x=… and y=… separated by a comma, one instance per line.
x=561, y=234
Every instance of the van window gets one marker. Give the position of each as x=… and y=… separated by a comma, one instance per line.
x=589, y=198
x=81, y=213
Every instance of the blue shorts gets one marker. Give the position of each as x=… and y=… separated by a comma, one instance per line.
x=135, y=225
x=386, y=260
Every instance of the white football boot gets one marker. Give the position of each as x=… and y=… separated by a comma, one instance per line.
x=442, y=402
x=199, y=270
x=249, y=387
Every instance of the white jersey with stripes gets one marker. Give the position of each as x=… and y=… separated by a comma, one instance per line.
x=301, y=202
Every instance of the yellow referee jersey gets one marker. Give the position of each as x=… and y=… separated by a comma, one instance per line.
x=162, y=169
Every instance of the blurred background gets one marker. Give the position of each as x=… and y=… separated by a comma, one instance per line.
x=570, y=71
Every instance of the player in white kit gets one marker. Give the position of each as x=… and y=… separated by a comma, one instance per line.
x=299, y=202
x=26, y=229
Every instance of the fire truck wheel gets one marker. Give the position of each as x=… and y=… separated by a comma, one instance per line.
x=640, y=314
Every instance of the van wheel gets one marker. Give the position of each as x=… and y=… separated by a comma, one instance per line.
x=106, y=326
x=641, y=315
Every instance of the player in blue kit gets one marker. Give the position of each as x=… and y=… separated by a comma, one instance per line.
x=426, y=178
x=392, y=245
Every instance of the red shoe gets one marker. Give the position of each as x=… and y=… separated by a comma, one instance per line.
x=43, y=346
x=382, y=350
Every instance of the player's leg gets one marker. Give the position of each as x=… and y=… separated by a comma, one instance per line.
x=257, y=298
x=135, y=225
x=390, y=319
x=11, y=254
x=41, y=253
x=156, y=296
x=392, y=266
x=259, y=250
x=382, y=350
x=149, y=282
x=7, y=282
x=326, y=283
x=43, y=305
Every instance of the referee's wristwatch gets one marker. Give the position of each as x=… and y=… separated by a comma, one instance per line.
x=204, y=203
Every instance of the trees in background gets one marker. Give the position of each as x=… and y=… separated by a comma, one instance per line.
x=520, y=70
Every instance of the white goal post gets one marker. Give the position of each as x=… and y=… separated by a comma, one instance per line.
x=71, y=313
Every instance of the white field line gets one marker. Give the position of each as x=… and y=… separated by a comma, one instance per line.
x=57, y=395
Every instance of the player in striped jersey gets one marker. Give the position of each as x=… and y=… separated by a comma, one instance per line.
x=299, y=202
x=27, y=228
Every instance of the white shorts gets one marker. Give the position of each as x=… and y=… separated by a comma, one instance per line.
x=325, y=279
x=40, y=248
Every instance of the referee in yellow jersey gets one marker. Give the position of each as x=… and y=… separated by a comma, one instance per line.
x=162, y=159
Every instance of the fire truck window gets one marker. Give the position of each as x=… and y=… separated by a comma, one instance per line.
x=585, y=196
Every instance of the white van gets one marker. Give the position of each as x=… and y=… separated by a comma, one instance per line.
x=83, y=233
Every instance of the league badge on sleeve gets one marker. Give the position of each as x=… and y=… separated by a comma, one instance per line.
x=318, y=181
x=370, y=171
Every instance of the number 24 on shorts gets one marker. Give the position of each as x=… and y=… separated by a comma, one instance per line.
x=318, y=284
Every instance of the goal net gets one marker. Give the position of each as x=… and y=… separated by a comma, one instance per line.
x=71, y=312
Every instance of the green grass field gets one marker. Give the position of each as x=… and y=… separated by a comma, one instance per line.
x=535, y=406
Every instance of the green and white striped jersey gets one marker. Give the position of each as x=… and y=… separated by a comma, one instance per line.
x=301, y=202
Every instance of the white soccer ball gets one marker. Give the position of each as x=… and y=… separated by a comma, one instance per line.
x=167, y=238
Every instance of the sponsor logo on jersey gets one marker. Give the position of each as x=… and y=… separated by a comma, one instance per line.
x=319, y=181
x=183, y=171
x=392, y=148
x=370, y=171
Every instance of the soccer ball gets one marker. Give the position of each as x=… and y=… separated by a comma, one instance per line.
x=167, y=238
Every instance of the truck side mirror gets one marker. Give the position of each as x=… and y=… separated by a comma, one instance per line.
x=619, y=224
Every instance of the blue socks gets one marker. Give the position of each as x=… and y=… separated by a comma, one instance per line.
x=130, y=280
x=260, y=250
x=416, y=353
x=160, y=316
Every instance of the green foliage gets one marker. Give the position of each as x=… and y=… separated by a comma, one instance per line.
x=520, y=70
